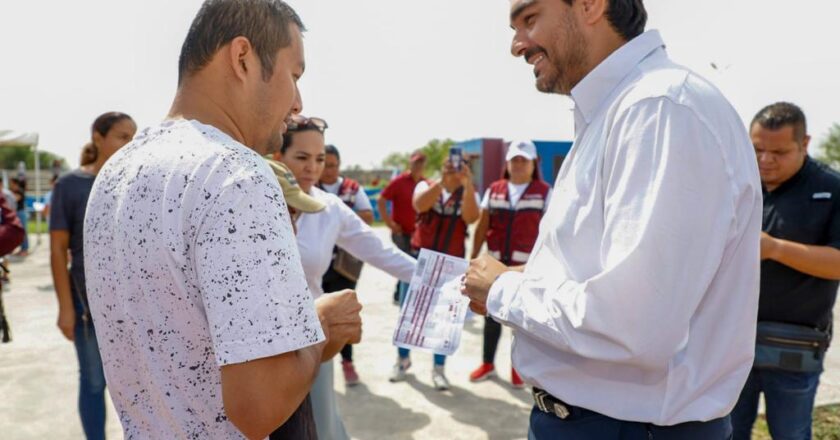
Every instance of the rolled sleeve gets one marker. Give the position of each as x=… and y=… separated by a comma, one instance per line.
x=502, y=294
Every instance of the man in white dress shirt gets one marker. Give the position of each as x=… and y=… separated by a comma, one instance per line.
x=635, y=314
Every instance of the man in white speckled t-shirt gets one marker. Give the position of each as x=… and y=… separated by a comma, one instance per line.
x=204, y=321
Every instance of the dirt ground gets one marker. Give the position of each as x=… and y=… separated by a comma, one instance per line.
x=39, y=374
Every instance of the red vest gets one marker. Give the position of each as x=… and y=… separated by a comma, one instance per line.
x=346, y=191
x=514, y=229
x=441, y=228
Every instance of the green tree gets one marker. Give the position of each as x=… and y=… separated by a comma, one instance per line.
x=436, y=151
x=396, y=160
x=11, y=156
x=830, y=147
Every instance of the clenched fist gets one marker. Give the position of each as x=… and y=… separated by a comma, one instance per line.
x=341, y=320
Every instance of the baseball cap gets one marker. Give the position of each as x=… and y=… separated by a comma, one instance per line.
x=526, y=149
x=295, y=197
x=417, y=155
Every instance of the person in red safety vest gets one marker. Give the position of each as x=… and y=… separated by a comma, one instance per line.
x=511, y=211
x=348, y=190
x=444, y=210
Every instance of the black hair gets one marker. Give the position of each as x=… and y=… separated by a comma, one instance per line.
x=535, y=174
x=88, y=155
x=781, y=114
x=330, y=149
x=289, y=135
x=265, y=23
x=106, y=121
x=102, y=125
x=627, y=17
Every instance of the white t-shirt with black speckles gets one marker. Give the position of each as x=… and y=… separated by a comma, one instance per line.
x=191, y=264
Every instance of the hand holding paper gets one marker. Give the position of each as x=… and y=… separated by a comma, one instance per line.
x=432, y=316
x=480, y=276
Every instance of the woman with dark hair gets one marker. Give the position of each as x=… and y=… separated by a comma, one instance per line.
x=511, y=211
x=109, y=133
x=303, y=152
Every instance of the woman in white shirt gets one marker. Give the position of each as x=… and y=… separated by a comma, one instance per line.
x=317, y=235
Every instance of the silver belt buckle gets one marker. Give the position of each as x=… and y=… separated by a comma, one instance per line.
x=561, y=411
x=556, y=408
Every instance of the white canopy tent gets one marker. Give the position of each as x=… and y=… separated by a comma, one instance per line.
x=12, y=138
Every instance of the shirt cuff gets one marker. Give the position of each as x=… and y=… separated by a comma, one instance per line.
x=502, y=295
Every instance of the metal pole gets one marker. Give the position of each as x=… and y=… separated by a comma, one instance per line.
x=38, y=189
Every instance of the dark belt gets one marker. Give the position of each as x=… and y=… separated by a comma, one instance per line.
x=551, y=405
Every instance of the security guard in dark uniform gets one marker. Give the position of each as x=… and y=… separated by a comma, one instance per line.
x=800, y=269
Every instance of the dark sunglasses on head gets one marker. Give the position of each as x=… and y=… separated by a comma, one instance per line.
x=302, y=123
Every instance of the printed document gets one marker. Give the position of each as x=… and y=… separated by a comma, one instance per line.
x=433, y=313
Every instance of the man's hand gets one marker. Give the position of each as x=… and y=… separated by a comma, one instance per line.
x=394, y=226
x=465, y=176
x=67, y=322
x=339, y=314
x=769, y=246
x=478, y=309
x=480, y=276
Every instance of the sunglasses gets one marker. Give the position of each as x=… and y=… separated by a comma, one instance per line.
x=302, y=123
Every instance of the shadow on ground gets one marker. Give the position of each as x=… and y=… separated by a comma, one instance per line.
x=470, y=409
x=521, y=395
x=373, y=417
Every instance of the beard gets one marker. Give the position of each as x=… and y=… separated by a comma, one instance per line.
x=567, y=60
x=273, y=143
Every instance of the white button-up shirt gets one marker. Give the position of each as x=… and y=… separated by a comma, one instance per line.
x=640, y=299
x=337, y=224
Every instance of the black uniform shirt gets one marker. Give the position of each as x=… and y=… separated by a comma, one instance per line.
x=805, y=209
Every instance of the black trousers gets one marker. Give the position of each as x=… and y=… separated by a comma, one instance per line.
x=334, y=282
x=589, y=425
x=492, y=333
x=403, y=243
x=300, y=426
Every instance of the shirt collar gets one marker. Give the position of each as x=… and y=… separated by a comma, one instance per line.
x=803, y=171
x=597, y=86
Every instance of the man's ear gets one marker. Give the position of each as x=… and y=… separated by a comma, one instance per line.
x=805, y=141
x=592, y=10
x=97, y=139
x=241, y=58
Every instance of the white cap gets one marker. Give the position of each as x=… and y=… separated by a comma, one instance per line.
x=526, y=149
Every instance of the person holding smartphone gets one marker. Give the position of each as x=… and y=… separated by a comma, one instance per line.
x=444, y=208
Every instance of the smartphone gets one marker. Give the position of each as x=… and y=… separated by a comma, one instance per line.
x=455, y=158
